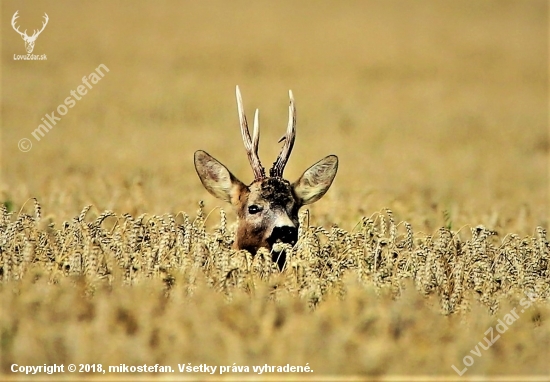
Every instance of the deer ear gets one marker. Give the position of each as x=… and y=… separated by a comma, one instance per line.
x=316, y=180
x=217, y=179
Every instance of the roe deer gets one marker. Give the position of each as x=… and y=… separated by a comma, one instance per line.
x=267, y=209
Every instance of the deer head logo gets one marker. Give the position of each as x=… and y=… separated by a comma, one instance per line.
x=267, y=209
x=29, y=40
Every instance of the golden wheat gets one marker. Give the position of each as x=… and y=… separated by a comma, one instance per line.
x=118, y=248
x=334, y=268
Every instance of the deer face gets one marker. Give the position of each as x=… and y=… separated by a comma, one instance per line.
x=268, y=215
x=267, y=209
x=29, y=43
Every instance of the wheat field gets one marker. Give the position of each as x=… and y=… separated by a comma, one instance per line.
x=432, y=238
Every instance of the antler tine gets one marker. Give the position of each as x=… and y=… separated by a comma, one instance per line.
x=256, y=133
x=15, y=17
x=250, y=145
x=289, y=137
x=44, y=23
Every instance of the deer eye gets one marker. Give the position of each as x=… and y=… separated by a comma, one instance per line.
x=254, y=209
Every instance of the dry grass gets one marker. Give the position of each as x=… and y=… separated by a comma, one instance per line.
x=155, y=290
x=437, y=111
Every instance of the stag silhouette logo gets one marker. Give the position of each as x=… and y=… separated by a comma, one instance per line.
x=29, y=40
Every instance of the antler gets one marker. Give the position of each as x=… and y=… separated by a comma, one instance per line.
x=251, y=145
x=35, y=34
x=15, y=17
x=289, y=137
x=24, y=34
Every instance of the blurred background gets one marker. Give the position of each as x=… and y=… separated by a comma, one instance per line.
x=436, y=109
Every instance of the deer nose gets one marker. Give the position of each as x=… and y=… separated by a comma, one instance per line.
x=285, y=234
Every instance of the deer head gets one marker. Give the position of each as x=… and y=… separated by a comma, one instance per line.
x=267, y=209
x=29, y=40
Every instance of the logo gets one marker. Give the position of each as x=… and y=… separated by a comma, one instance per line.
x=29, y=40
